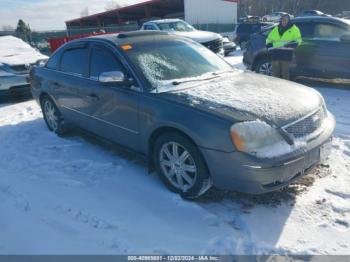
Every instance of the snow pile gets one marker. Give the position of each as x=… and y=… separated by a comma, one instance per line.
x=14, y=51
x=70, y=196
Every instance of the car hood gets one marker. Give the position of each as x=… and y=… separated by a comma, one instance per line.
x=14, y=51
x=243, y=96
x=199, y=36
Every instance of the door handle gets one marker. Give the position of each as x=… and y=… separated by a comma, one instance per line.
x=93, y=97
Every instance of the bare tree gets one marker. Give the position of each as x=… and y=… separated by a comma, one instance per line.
x=8, y=28
x=263, y=7
x=112, y=4
x=84, y=12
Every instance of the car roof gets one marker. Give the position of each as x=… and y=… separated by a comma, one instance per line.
x=312, y=11
x=127, y=37
x=165, y=20
x=321, y=19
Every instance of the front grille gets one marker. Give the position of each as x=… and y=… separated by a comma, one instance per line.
x=216, y=45
x=308, y=125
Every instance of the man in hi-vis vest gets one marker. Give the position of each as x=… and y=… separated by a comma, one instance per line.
x=281, y=42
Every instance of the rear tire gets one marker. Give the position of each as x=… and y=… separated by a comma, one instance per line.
x=53, y=117
x=181, y=166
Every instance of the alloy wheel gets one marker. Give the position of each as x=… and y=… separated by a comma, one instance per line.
x=178, y=166
x=51, y=115
x=265, y=69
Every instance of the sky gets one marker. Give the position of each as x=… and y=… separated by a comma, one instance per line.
x=49, y=14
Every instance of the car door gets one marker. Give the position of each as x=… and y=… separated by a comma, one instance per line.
x=73, y=93
x=115, y=110
x=332, y=54
x=305, y=54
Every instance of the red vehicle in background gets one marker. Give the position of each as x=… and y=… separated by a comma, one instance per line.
x=56, y=43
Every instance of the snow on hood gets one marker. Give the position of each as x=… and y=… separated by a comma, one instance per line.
x=199, y=36
x=14, y=51
x=244, y=96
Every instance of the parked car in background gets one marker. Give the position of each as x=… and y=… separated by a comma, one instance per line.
x=16, y=58
x=173, y=101
x=311, y=13
x=324, y=52
x=179, y=27
x=274, y=17
x=229, y=46
x=245, y=30
x=344, y=14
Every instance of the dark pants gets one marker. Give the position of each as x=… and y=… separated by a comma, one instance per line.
x=280, y=69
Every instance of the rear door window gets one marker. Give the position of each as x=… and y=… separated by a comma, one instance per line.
x=149, y=27
x=103, y=60
x=75, y=61
x=329, y=32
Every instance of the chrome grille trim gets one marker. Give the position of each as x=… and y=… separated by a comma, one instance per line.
x=306, y=125
x=215, y=45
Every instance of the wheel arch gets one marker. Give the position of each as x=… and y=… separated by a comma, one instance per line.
x=258, y=58
x=160, y=131
x=43, y=95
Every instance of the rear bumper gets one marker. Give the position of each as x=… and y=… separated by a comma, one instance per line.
x=241, y=172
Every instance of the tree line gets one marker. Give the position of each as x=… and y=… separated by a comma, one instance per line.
x=263, y=7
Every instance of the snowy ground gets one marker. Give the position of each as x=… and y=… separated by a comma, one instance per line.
x=74, y=196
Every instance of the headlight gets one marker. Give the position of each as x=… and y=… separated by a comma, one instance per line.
x=4, y=71
x=41, y=62
x=259, y=139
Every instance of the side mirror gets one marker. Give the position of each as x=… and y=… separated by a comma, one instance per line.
x=112, y=77
x=345, y=38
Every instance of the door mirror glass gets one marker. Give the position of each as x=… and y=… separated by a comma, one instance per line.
x=112, y=77
x=345, y=38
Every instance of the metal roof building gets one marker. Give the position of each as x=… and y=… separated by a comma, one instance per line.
x=196, y=12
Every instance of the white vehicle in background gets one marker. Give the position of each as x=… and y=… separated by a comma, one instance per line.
x=16, y=58
x=211, y=40
x=275, y=17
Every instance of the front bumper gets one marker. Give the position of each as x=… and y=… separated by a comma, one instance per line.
x=230, y=47
x=14, y=85
x=244, y=173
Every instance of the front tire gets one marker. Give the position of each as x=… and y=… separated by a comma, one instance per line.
x=53, y=117
x=263, y=66
x=181, y=166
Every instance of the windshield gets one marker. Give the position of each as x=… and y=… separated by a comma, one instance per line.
x=169, y=62
x=176, y=26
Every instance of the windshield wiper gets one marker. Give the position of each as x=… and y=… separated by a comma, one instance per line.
x=176, y=83
x=222, y=72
